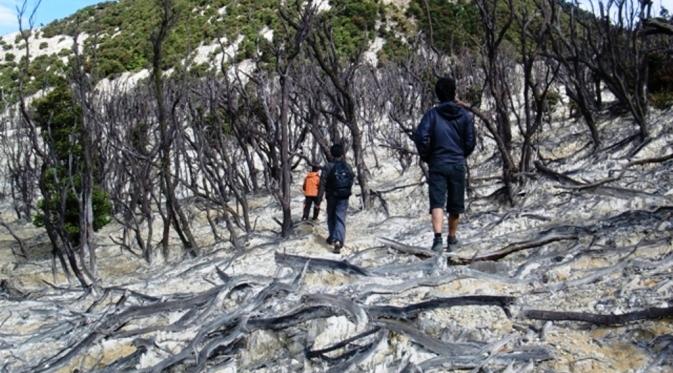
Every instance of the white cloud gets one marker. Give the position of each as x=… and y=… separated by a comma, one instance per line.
x=7, y=17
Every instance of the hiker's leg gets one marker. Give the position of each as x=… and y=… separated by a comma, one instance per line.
x=437, y=220
x=341, y=206
x=330, y=218
x=307, y=208
x=453, y=224
x=455, y=203
x=437, y=194
x=316, y=208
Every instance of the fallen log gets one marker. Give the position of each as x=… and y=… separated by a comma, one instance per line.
x=357, y=355
x=513, y=248
x=650, y=160
x=430, y=343
x=310, y=354
x=356, y=313
x=458, y=273
x=294, y=318
x=412, y=310
x=408, y=249
x=549, y=173
x=475, y=361
x=600, y=319
x=299, y=262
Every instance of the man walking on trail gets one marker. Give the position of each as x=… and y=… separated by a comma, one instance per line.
x=311, y=189
x=444, y=139
x=336, y=182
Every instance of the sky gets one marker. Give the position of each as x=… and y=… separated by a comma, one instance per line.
x=656, y=5
x=48, y=11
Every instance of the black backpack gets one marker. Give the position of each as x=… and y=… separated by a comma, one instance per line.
x=340, y=180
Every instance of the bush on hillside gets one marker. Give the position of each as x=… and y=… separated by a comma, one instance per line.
x=60, y=120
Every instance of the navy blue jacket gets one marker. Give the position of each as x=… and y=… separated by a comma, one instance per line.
x=446, y=134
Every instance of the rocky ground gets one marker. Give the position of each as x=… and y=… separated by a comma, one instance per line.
x=591, y=232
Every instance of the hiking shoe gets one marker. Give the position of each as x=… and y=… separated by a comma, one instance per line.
x=329, y=240
x=437, y=244
x=337, y=247
x=450, y=241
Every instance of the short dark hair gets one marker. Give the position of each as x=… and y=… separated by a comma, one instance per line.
x=445, y=89
x=337, y=150
x=315, y=168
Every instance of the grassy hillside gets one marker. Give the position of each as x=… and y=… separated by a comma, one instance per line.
x=124, y=28
x=118, y=36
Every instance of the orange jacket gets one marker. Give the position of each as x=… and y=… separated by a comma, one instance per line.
x=312, y=184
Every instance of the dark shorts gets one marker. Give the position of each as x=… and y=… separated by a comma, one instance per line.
x=447, y=187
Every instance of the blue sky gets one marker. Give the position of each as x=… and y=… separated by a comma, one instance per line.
x=48, y=11
x=656, y=5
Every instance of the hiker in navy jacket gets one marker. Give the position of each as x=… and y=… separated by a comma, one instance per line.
x=336, y=182
x=444, y=138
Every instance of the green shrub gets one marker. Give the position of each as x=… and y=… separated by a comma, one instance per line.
x=107, y=67
x=662, y=100
x=660, y=77
x=43, y=45
x=9, y=57
x=59, y=118
x=552, y=100
x=472, y=95
x=393, y=50
x=454, y=24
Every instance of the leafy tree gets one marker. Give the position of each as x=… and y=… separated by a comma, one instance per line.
x=60, y=119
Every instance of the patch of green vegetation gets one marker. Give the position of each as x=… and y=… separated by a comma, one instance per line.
x=552, y=100
x=353, y=24
x=662, y=100
x=42, y=72
x=43, y=45
x=59, y=113
x=198, y=22
x=65, y=52
x=394, y=49
x=660, y=78
x=455, y=25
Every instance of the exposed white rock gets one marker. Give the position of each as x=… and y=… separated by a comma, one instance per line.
x=371, y=55
x=39, y=46
x=266, y=33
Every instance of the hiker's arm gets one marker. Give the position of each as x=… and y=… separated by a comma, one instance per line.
x=470, y=138
x=323, y=182
x=422, y=135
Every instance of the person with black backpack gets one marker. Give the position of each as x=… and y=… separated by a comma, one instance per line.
x=444, y=139
x=336, y=182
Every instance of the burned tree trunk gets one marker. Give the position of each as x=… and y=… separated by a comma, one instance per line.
x=173, y=214
x=341, y=75
x=496, y=73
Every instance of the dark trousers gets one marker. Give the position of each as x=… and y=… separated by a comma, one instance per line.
x=315, y=201
x=336, y=218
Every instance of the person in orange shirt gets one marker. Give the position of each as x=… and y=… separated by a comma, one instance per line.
x=311, y=192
